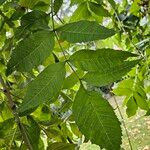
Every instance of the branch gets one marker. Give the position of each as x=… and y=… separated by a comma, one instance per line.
x=13, y=107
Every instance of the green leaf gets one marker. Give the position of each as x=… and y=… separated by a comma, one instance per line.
x=42, y=114
x=45, y=87
x=35, y=20
x=135, y=7
x=5, y=127
x=148, y=89
x=73, y=2
x=103, y=65
x=98, y=9
x=31, y=52
x=61, y=146
x=98, y=1
x=33, y=133
x=83, y=31
x=70, y=81
x=81, y=13
x=124, y=88
x=141, y=102
x=28, y=3
x=112, y=3
x=2, y=1
x=32, y=21
x=32, y=3
x=96, y=119
x=67, y=103
x=17, y=14
x=57, y=5
x=110, y=76
x=42, y=5
x=97, y=60
x=131, y=107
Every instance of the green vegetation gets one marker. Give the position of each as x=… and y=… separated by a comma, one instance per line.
x=65, y=65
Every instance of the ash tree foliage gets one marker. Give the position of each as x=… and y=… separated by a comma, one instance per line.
x=56, y=57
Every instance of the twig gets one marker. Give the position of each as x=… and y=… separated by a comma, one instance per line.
x=13, y=107
x=122, y=119
x=59, y=19
x=136, y=77
x=122, y=28
x=11, y=94
x=56, y=35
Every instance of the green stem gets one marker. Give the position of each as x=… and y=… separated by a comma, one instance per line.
x=122, y=28
x=136, y=77
x=56, y=35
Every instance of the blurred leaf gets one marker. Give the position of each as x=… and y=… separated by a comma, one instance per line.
x=70, y=81
x=73, y=2
x=17, y=14
x=81, y=13
x=42, y=6
x=33, y=132
x=2, y=1
x=28, y=3
x=32, y=21
x=57, y=5
x=141, y=102
x=124, y=88
x=98, y=9
x=61, y=146
x=112, y=3
x=66, y=104
x=42, y=114
x=35, y=20
x=5, y=127
x=135, y=7
x=31, y=3
x=131, y=107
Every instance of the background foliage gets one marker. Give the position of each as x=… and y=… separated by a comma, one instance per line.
x=60, y=61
